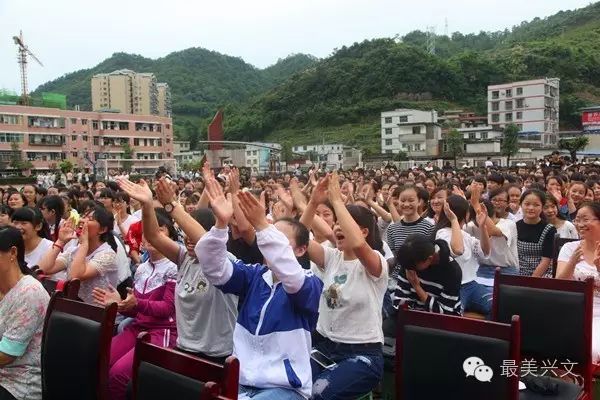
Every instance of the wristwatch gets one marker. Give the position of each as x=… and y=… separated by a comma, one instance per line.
x=170, y=206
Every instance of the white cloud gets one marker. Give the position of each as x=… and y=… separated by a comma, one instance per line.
x=68, y=35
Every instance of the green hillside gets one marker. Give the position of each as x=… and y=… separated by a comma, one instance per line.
x=356, y=83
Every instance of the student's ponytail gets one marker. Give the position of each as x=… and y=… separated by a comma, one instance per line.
x=444, y=252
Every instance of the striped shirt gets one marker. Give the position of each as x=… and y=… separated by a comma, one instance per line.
x=399, y=231
x=441, y=282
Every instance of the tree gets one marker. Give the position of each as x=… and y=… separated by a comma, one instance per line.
x=400, y=156
x=15, y=156
x=287, y=154
x=455, y=143
x=510, y=142
x=65, y=166
x=573, y=145
x=127, y=155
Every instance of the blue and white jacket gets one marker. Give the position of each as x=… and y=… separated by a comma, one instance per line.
x=272, y=336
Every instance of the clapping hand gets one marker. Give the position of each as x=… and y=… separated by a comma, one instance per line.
x=67, y=231
x=253, y=210
x=221, y=206
x=334, y=191
x=140, y=192
x=449, y=213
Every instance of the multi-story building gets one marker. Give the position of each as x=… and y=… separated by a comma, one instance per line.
x=531, y=105
x=164, y=99
x=128, y=92
x=333, y=155
x=413, y=132
x=461, y=119
x=262, y=158
x=46, y=136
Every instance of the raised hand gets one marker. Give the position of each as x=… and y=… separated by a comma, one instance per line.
x=253, y=210
x=334, y=191
x=449, y=213
x=105, y=297
x=165, y=192
x=221, y=206
x=140, y=192
x=206, y=171
x=481, y=216
x=234, y=180
x=458, y=191
x=577, y=255
x=597, y=256
x=285, y=197
x=319, y=193
x=67, y=231
x=413, y=278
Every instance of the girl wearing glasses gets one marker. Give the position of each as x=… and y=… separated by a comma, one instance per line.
x=581, y=260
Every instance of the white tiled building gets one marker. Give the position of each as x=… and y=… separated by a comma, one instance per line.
x=532, y=105
x=259, y=158
x=413, y=132
x=333, y=155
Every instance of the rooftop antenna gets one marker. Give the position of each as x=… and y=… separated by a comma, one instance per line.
x=431, y=39
x=446, y=26
x=23, y=52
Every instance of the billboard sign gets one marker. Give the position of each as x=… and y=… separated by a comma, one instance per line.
x=590, y=120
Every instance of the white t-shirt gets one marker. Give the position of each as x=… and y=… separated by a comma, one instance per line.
x=488, y=163
x=33, y=257
x=516, y=216
x=350, y=306
x=504, y=251
x=130, y=220
x=471, y=256
x=567, y=231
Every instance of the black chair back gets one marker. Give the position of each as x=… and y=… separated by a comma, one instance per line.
x=160, y=373
x=75, y=350
x=556, y=318
x=558, y=244
x=437, y=356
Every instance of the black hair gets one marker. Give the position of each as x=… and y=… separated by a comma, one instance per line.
x=552, y=200
x=301, y=234
x=42, y=191
x=417, y=248
x=205, y=217
x=106, y=220
x=86, y=205
x=592, y=205
x=538, y=193
x=11, y=237
x=365, y=218
x=35, y=217
x=55, y=203
x=422, y=194
x=107, y=194
x=20, y=194
x=5, y=209
x=165, y=220
x=459, y=206
x=481, y=179
x=494, y=177
x=498, y=191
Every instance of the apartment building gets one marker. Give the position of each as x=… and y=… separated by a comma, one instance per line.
x=334, y=155
x=129, y=92
x=532, y=105
x=46, y=136
x=262, y=158
x=164, y=99
x=413, y=132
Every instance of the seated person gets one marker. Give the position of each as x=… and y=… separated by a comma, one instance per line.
x=23, y=304
x=272, y=336
x=428, y=279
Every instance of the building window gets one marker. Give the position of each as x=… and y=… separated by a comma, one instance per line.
x=472, y=135
x=388, y=142
x=496, y=127
x=418, y=147
x=168, y=126
x=508, y=117
x=495, y=94
x=249, y=153
x=404, y=118
x=519, y=91
x=136, y=142
x=495, y=105
x=95, y=125
x=73, y=121
x=495, y=117
x=11, y=137
x=83, y=121
x=388, y=131
x=388, y=120
x=388, y=152
x=73, y=138
x=84, y=137
x=74, y=154
x=416, y=130
x=508, y=105
x=520, y=103
x=96, y=140
x=484, y=135
x=304, y=148
x=508, y=92
x=339, y=157
x=9, y=119
x=519, y=115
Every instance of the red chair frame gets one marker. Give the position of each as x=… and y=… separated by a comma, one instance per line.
x=584, y=287
x=105, y=316
x=452, y=323
x=221, y=381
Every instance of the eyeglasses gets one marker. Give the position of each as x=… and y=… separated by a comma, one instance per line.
x=496, y=200
x=584, y=221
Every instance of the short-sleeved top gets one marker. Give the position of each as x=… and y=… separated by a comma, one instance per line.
x=504, y=251
x=22, y=312
x=399, y=231
x=567, y=231
x=205, y=316
x=103, y=260
x=471, y=257
x=351, y=302
x=534, y=242
x=34, y=256
x=583, y=270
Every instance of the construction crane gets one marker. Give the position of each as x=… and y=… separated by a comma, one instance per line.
x=23, y=52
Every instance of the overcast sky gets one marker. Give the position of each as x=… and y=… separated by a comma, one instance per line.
x=68, y=35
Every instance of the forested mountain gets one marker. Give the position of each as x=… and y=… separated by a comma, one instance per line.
x=301, y=99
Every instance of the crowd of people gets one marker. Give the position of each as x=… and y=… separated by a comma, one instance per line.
x=297, y=275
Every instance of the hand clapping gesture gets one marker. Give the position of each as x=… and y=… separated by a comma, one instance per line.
x=140, y=192
x=221, y=206
x=253, y=210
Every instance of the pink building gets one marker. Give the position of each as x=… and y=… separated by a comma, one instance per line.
x=46, y=136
